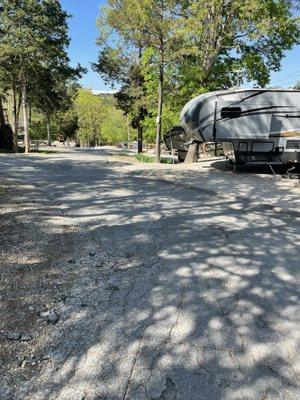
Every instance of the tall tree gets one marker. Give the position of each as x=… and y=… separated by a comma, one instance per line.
x=55, y=91
x=200, y=46
x=10, y=90
x=34, y=36
x=234, y=41
x=6, y=136
x=91, y=111
x=99, y=120
x=139, y=25
x=120, y=63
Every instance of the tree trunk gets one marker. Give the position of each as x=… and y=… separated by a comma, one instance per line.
x=159, y=113
x=25, y=114
x=140, y=137
x=15, y=121
x=77, y=140
x=128, y=132
x=48, y=130
x=192, y=153
x=6, y=134
x=2, y=119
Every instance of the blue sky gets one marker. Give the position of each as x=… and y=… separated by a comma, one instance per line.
x=83, y=49
x=83, y=32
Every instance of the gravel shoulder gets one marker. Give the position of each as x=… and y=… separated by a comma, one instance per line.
x=257, y=185
x=34, y=279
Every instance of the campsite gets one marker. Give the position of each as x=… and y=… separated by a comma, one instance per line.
x=149, y=200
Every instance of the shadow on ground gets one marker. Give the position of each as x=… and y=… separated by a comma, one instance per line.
x=176, y=294
x=278, y=169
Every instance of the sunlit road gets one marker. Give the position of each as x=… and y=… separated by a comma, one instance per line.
x=177, y=294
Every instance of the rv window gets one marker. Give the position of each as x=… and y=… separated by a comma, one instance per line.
x=231, y=112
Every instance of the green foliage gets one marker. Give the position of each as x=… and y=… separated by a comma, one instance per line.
x=99, y=119
x=62, y=124
x=33, y=39
x=170, y=117
x=114, y=126
x=239, y=41
x=65, y=123
x=90, y=112
x=38, y=129
x=171, y=110
x=34, y=64
x=119, y=62
x=55, y=89
x=144, y=158
x=89, y=118
x=191, y=48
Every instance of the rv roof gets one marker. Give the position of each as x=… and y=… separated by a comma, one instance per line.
x=196, y=101
x=205, y=96
x=230, y=91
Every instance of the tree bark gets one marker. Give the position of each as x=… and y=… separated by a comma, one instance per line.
x=192, y=153
x=25, y=114
x=2, y=119
x=159, y=112
x=15, y=122
x=77, y=140
x=128, y=132
x=140, y=137
x=48, y=130
x=6, y=134
x=2, y=123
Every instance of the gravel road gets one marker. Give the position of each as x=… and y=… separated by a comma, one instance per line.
x=132, y=288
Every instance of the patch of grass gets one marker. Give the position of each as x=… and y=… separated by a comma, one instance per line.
x=144, y=158
x=166, y=161
x=150, y=159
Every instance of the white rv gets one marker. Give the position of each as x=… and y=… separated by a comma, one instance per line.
x=254, y=125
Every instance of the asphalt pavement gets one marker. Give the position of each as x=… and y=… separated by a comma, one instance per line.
x=176, y=294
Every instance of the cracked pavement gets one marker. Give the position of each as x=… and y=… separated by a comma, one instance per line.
x=170, y=293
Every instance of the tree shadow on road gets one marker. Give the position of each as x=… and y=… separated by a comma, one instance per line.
x=176, y=294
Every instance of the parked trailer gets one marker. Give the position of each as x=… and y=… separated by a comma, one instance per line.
x=253, y=125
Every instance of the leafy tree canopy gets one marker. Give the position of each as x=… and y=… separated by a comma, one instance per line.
x=34, y=64
x=183, y=48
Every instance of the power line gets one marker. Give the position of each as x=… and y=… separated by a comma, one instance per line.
x=290, y=73
x=288, y=76
x=291, y=83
